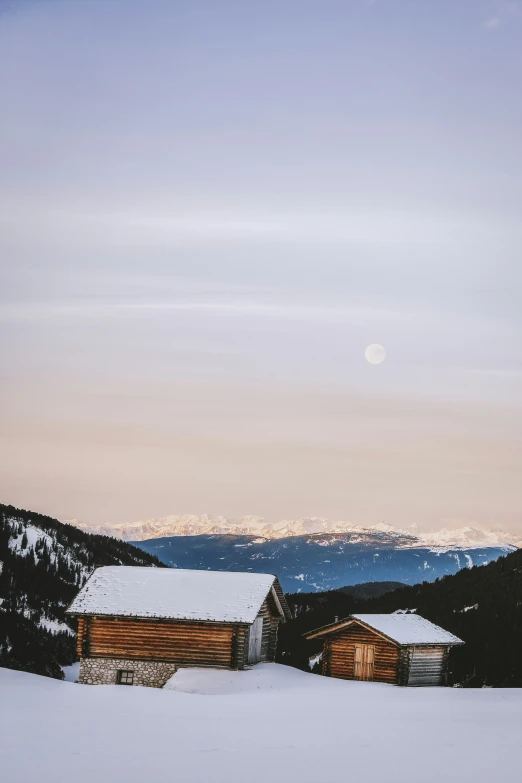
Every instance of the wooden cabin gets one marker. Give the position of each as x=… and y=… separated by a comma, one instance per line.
x=399, y=648
x=136, y=625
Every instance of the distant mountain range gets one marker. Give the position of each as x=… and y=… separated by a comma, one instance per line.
x=322, y=561
x=311, y=554
x=194, y=525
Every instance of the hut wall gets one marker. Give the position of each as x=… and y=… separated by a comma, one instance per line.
x=404, y=666
x=194, y=644
x=82, y=647
x=427, y=665
x=271, y=619
x=272, y=646
x=339, y=655
x=240, y=647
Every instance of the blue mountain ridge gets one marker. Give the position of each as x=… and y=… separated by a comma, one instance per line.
x=318, y=562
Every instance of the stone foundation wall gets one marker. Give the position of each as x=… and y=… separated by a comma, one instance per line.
x=104, y=671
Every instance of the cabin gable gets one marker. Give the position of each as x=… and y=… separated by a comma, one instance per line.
x=342, y=648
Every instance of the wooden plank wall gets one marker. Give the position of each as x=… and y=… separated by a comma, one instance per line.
x=272, y=646
x=240, y=647
x=196, y=644
x=81, y=639
x=404, y=666
x=427, y=665
x=339, y=655
x=271, y=620
x=267, y=612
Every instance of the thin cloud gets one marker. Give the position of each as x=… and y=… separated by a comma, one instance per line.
x=504, y=11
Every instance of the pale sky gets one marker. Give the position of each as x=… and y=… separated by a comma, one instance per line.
x=209, y=209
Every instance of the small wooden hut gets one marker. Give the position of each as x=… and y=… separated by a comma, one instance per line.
x=400, y=648
x=136, y=626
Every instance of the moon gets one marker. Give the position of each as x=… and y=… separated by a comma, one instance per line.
x=375, y=353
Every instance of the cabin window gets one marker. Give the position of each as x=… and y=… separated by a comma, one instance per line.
x=125, y=677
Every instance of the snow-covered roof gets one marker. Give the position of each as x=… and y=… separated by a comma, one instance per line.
x=405, y=629
x=174, y=593
x=408, y=628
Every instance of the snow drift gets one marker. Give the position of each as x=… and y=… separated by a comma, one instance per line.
x=272, y=723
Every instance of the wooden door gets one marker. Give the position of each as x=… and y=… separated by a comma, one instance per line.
x=254, y=640
x=363, y=662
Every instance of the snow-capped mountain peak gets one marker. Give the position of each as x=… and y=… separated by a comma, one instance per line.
x=206, y=524
x=468, y=537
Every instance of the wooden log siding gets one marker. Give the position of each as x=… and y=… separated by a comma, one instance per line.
x=266, y=614
x=240, y=647
x=274, y=628
x=193, y=644
x=82, y=644
x=196, y=644
x=339, y=655
x=403, y=668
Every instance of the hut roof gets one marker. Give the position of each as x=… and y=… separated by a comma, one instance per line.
x=404, y=629
x=408, y=628
x=174, y=593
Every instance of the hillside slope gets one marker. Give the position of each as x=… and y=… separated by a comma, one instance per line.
x=481, y=605
x=43, y=564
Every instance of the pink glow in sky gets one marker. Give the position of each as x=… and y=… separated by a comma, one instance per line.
x=208, y=211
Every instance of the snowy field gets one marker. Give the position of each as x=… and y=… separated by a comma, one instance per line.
x=272, y=723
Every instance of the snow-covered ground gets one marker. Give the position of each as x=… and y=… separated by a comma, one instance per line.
x=270, y=724
x=72, y=672
x=54, y=626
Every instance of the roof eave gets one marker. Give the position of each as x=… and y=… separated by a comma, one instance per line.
x=333, y=627
x=455, y=643
x=155, y=618
x=283, y=603
x=324, y=630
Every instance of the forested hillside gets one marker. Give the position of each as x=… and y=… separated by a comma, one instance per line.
x=481, y=605
x=367, y=590
x=43, y=564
